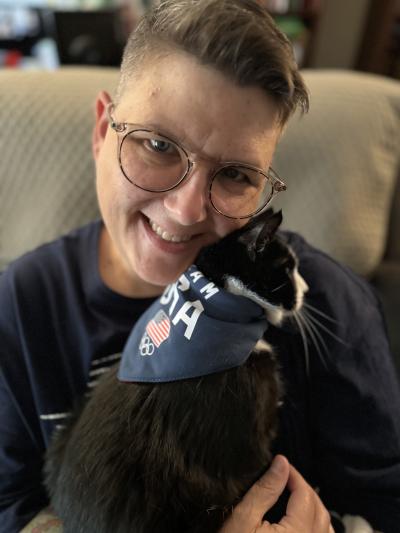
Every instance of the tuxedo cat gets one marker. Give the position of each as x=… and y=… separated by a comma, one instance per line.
x=176, y=457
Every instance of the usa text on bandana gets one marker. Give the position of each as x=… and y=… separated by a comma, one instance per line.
x=195, y=328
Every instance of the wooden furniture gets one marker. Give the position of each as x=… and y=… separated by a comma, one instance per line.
x=380, y=47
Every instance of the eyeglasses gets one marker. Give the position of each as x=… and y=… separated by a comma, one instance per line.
x=156, y=163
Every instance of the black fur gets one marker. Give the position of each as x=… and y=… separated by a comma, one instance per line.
x=175, y=457
x=257, y=257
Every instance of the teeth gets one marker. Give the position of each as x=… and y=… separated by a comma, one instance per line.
x=167, y=236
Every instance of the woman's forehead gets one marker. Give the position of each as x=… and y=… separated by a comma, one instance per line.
x=200, y=107
x=203, y=109
x=177, y=81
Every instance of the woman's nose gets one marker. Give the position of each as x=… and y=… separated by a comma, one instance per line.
x=188, y=204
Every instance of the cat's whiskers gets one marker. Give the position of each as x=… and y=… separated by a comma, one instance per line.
x=311, y=329
x=319, y=312
x=304, y=339
x=279, y=286
x=314, y=335
x=319, y=324
x=322, y=346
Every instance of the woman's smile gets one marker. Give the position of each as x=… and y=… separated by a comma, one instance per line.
x=168, y=241
x=165, y=236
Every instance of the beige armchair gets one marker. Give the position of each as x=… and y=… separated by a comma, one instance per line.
x=341, y=163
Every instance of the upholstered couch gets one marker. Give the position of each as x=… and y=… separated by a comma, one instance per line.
x=341, y=163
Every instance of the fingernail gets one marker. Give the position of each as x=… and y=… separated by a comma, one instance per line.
x=278, y=465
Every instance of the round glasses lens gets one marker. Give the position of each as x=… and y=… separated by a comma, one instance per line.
x=152, y=162
x=240, y=191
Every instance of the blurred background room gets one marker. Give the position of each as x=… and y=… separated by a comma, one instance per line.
x=358, y=34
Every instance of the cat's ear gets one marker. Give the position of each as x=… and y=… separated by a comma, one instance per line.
x=248, y=237
x=268, y=230
x=260, y=231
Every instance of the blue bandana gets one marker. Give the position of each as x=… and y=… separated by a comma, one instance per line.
x=195, y=328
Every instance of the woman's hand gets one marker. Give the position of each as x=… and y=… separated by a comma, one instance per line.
x=45, y=521
x=305, y=513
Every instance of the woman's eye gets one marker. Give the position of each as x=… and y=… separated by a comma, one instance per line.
x=235, y=175
x=161, y=146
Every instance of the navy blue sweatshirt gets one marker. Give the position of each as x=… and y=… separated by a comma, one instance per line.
x=61, y=328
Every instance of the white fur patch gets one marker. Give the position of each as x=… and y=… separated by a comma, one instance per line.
x=356, y=524
x=263, y=346
x=301, y=288
x=274, y=313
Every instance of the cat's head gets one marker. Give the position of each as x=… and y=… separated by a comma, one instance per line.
x=254, y=262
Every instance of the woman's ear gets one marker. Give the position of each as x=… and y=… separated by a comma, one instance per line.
x=101, y=122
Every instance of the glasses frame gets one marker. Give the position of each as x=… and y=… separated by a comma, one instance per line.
x=122, y=129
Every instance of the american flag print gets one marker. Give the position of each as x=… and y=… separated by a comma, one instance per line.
x=158, y=328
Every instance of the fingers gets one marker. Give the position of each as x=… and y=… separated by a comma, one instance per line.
x=248, y=514
x=266, y=491
x=46, y=520
x=305, y=511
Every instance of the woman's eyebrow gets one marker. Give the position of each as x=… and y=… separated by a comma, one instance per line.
x=169, y=134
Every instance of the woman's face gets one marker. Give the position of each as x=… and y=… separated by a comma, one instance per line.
x=149, y=239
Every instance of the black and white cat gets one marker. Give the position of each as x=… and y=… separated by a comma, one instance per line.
x=175, y=457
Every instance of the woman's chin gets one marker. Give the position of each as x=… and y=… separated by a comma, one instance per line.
x=162, y=277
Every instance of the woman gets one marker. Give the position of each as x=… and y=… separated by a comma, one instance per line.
x=207, y=86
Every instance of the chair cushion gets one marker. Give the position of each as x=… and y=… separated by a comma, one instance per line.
x=46, y=172
x=340, y=163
